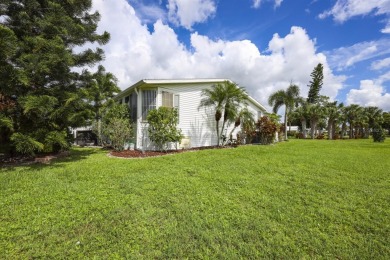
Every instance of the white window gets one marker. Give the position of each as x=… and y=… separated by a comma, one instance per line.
x=169, y=100
x=148, y=102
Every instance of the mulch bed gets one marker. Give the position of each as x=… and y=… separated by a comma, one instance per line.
x=140, y=154
x=44, y=158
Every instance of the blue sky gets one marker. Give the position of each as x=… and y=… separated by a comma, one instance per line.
x=263, y=45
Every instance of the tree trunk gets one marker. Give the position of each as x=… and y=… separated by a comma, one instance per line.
x=218, y=137
x=223, y=126
x=334, y=129
x=330, y=129
x=343, y=130
x=285, y=124
x=303, y=122
x=351, y=131
x=312, y=128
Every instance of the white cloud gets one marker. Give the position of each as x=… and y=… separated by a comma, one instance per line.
x=135, y=53
x=345, y=57
x=256, y=3
x=370, y=93
x=380, y=64
x=187, y=13
x=343, y=10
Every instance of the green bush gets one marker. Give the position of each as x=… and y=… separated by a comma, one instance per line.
x=163, y=127
x=378, y=134
x=119, y=131
x=266, y=130
x=25, y=144
x=116, y=126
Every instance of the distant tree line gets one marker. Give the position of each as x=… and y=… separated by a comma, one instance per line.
x=318, y=112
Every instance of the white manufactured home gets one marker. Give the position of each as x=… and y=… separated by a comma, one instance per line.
x=197, y=124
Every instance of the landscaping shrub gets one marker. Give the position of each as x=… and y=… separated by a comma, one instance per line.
x=116, y=126
x=163, y=127
x=378, y=134
x=266, y=130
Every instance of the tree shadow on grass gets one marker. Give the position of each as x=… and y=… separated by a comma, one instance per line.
x=76, y=154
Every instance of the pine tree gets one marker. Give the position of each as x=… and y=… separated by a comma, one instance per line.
x=315, y=84
x=38, y=66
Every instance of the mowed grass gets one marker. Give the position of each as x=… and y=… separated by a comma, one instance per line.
x=297, y=199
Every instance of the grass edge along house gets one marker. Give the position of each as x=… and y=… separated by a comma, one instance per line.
x=197, y=124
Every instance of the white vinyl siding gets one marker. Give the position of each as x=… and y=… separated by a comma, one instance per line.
x=197, y=124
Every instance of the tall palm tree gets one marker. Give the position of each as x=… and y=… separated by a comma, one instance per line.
x=225, y=98
x=288, y=98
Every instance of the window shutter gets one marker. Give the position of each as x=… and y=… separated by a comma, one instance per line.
x=176, y=101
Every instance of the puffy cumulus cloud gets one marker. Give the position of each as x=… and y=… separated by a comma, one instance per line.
x=257, y=3
x=370, y=93
x=136, y=53
x=186, y=13
x=345, y=57
x=380, y=64
x=346, y=9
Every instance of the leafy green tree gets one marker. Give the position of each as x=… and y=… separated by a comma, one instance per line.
x=163, y=128
x=288, y=98
x=37, y=65
x=386, y=121
x=316, y=82
x=225, y=99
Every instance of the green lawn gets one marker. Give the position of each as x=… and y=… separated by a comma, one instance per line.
x=297, y=199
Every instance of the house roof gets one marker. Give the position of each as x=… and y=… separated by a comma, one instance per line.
x=152, y=82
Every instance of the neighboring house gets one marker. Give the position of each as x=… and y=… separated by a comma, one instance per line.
x=197, y=124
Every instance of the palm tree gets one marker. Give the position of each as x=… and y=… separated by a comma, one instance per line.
x=244, y=118
x=225, y=98
x=300, y=113
x=352, y=113
x=315, y=114
x=374, y=116
x=333, y=111
x=288, y=98
x=101, y=89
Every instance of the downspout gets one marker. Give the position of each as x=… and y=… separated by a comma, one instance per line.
x=136, y=132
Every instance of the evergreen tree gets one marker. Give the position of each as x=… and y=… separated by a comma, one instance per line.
x=315, y=84
x=37, y=67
